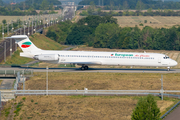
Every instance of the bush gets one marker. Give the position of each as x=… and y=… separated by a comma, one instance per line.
x=141, y=24
x=24, y=98
x=145, y=21
x=146, y=109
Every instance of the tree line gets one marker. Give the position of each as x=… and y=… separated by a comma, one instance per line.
x=149, y=12
x=39, y=4
x=27, y=8
x=133, y=4
x=104, y=32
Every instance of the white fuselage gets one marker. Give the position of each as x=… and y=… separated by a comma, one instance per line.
x=105, y=58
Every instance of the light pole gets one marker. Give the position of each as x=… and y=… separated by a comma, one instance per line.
x=32, y=26
x=8, y=28
x=46, y=80
x=12, y=27
x=161, y=87
x=18, y=24
x=24, y=25
x=12, y=30
x=3, y=31
x=35, y=28
x=28, y=27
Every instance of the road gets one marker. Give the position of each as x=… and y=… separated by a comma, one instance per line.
x=174, y=115
x=105, y=70
x=7, y=84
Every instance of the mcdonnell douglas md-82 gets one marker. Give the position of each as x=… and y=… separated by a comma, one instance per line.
x=85, y=58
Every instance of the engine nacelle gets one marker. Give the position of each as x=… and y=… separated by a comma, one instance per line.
x=47, y=57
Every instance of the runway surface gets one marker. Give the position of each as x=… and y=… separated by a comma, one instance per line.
x=105, y=70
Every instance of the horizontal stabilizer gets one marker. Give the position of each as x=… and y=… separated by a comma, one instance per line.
x=19, y=36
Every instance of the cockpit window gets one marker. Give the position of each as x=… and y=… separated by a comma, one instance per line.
x=166, y=57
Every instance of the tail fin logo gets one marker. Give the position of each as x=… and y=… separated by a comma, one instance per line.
x=26, y=44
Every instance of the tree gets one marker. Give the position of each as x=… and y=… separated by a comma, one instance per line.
x=78, y=35
x=104, y=34
x=52, y=35
x=138, y=5
x=125, y=5
x=91, y=8
x=1, y=3
x=4, y=21
x=51, y=7
x=44, y=5
x=112, y=5
x=146, y=109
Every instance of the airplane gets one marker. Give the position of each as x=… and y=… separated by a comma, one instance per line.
x=88, y=58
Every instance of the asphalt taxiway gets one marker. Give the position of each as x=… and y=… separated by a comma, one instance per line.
x=105, y=70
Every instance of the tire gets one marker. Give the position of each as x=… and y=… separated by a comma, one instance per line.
x=82, y=68
x=86, y=67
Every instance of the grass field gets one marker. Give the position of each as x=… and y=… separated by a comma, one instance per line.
x=75, y=107
x=1, y=81
x=103, y=81
x=9, y=18
x=175, y=55
x=41, y=41
x=152, y=21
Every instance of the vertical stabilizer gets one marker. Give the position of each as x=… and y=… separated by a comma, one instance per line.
x=24, y=43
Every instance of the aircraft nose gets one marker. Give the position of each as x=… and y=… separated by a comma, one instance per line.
x=174, y=63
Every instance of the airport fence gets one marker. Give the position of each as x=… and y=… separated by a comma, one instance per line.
x=14, y=72
x=96, y=92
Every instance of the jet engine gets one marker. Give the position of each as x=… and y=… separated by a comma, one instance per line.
x=47, y=57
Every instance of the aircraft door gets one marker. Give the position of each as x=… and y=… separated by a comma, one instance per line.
x=59, y=56
x=159, y=60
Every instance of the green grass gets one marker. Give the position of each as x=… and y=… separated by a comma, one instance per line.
x=61, y=65
x=1, y=81
x=16, y=59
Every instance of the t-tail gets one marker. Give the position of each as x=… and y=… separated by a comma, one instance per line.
x=24, y=43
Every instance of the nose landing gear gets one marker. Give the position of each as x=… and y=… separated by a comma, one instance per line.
x=168, y=69
x=84, y=67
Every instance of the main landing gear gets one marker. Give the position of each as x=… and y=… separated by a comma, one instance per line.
x=168, y=69
x=84, y=67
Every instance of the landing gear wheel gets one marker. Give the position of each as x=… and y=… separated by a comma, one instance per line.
x=86, y=67
x=168, y=69
x=82, y=68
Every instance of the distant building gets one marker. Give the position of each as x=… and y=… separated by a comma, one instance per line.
x=13, y=3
